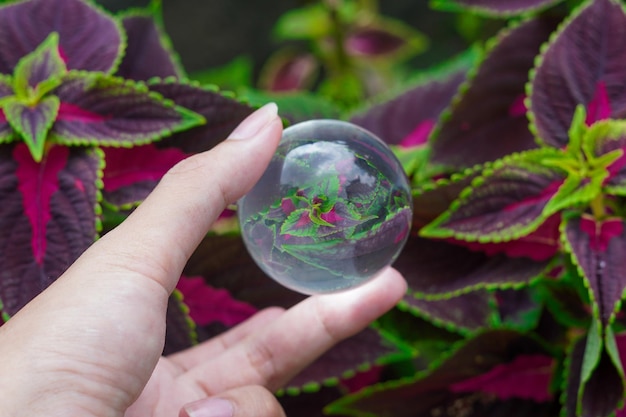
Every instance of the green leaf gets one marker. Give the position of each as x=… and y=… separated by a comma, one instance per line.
x=593, y=351
x=40, y=71
x=33, y=122
x=299, y=223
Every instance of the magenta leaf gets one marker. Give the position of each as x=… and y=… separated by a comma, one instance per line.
x=47, y=219
x=584, y=59
x=493, y=7
x=131, y=174
x=433, y=392
x=505, y=203
x=180, y=330
x=418, y=107
x=486, y=122
x=384, y=39
x=32, y=122
x=597, y=248
x=427, y=268
x=89, y=38
x=289, y=71
x=40, y=71
x=465, y=312
x=108, y=111
x=207, y=304
x=220, y=112
x=148, y=51
x=224, y=262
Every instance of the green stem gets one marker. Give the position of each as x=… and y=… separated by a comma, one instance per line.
x=339, y=37
x=598, y=208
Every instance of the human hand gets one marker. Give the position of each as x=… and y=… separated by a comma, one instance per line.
x=90, y=344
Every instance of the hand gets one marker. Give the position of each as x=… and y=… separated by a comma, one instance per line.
x=90, y=344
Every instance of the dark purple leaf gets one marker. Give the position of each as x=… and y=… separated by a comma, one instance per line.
x=131, y=174
x=431, y=201
x=180, y=330
x=598, y=248
x=572, y=377
x=432, y=393
x=289, y=70
x=470, y=311
x=493, y=7
x=588, y=55
x=410, y=117
x=373, y=42
x=104, y=110
x=47, y=219
x=506, y=203
x=601, y=392
x=540, y=245
x=32, y=123
x=383, y=39
x=6, y=89
x=489, y=121
x=148, y=50
x=221, y=113
x=426, y=266
x=224, y=262
x=41, y=70
x=363, y=349
x=89, y=38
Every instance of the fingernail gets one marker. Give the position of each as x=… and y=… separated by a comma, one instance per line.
x=254, y=123
x=210, y=407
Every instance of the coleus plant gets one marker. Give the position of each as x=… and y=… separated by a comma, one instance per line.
x=518, y=178
x=94, y=109
x=515, y=151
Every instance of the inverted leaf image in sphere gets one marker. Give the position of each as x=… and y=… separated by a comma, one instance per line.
x=330, y=212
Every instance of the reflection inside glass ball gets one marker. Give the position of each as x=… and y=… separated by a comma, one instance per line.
x=330, y=212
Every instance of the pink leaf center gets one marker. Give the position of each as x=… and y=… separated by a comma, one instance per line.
x=599, y=108
x=419, y=135
x=37, y=183
x=127, y=166
x=518, y=107
x=207, y=304
x=331, y=216
x=525, y=377
x=73, y=113
x=601, y=232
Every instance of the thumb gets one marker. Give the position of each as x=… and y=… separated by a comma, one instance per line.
x=167, y=227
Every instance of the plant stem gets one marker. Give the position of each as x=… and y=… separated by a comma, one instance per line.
x=598, y=208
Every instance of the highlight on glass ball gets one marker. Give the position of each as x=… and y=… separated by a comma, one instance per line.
x=331, y=211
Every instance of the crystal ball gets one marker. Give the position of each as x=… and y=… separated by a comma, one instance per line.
x=331, y=211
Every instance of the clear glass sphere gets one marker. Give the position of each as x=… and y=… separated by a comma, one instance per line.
x=331, y=211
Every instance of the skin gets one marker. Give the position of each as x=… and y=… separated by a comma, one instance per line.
x=90, y=344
